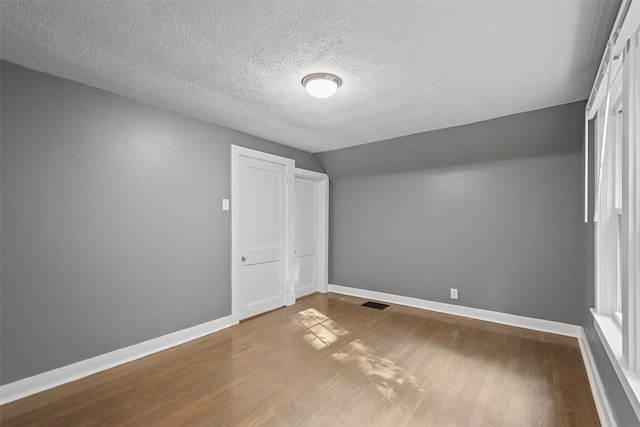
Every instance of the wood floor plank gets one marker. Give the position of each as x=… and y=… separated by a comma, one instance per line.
x=328, y=361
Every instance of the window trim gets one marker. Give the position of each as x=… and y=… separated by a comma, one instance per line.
x=631, y=211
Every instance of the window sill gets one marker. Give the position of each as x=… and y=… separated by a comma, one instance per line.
x=610, y=334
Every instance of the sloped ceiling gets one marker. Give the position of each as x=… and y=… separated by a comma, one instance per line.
x=407, y=67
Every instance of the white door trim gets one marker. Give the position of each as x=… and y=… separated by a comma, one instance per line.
x=236, y=153
x=322, y=203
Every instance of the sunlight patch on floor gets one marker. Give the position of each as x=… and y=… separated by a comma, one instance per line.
x=389, y=378
x=322, y=330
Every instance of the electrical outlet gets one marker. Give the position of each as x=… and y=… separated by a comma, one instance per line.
x=454, y=293
x=225, y=204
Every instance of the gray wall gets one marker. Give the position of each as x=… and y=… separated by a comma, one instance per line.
x=546, y=132
x=468, y=208
x=112, y=228
x=620, y=405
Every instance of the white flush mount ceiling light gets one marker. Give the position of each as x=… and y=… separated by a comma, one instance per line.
x=321, y=85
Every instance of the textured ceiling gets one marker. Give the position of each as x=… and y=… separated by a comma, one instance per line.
x=407, y=67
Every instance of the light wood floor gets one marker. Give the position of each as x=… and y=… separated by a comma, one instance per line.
x=327, y=361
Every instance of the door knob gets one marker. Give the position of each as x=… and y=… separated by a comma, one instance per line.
x=244, y=258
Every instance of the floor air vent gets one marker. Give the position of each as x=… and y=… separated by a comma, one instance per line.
x=376, y=305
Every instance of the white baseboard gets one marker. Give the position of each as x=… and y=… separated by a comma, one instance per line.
x=459, y=310
x=597, y=388
x=46, y=380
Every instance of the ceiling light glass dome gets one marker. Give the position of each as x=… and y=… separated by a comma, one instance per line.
x=321, y=85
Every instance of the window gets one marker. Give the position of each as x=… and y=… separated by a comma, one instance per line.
x=617, y=308
x=608, y=147
x=609, y=200
x=615, y=107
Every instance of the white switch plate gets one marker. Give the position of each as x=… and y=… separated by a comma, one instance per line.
x=225, y=204
x=454, y=293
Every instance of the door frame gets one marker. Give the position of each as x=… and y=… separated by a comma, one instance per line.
x=322, y=224
x=236, y=153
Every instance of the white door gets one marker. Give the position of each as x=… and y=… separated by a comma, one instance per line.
x=261, y=195
x=310, y=260
x=305, y=238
